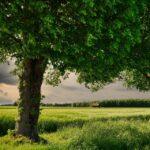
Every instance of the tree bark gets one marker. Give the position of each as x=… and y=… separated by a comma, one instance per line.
x=31, y=79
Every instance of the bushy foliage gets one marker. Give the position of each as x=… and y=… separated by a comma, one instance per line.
x=91, y=37
x=138, y=68
x=134, y=78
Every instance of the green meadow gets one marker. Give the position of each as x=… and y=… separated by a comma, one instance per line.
x=81, y=128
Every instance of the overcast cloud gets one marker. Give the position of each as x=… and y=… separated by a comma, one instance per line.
x=68, y=91
x=5, y=74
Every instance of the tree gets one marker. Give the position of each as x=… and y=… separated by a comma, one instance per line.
x=137, y=73
x=92, y=38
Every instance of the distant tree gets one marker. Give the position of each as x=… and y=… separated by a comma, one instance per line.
x=92, y=38
x=15, y=103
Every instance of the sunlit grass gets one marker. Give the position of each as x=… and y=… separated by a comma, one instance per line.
x=82, y=128
x=118, y=135
x=52, y=119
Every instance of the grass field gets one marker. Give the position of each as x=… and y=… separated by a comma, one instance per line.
x=82, y=128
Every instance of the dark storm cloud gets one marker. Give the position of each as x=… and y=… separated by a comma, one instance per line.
x=5, y=75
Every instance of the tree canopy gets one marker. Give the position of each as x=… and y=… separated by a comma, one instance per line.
x=91, y=37
x=138, y=66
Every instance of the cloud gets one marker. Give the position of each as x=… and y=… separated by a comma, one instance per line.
x=3, y=93
x=68, y=91
x=4, y=100
x=7, y=94
x=5, y=75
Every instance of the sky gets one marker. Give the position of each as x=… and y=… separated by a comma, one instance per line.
x=68, y=91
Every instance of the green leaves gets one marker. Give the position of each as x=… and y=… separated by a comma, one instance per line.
x=91, y=37
x=134, y=78
x=90, y=40
x=89, y=3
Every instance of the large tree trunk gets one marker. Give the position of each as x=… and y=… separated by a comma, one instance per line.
x=31, y=80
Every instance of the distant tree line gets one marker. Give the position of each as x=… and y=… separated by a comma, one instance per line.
x=125, y=103
x=105, y=103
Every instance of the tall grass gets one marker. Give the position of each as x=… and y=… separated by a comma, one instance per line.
x=122, y=135
x=96, y=135
x=6, y=123
x=53, y=119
